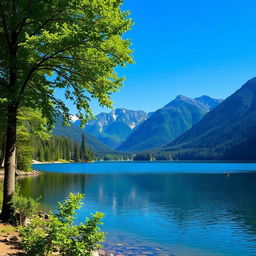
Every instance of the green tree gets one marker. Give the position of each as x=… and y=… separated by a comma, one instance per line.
x=30, y=124
x=85, y=153
x=82, y=147
x=76, y=152
x=144, y=156
x=72, y=45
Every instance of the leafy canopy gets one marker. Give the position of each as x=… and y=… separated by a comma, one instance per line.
x=71, y=44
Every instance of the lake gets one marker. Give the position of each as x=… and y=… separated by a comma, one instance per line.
x=160, y=208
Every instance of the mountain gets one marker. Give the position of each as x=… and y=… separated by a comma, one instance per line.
x=165, y=124
x=209, y=102
x=226, y=132
x=115, y=127
x=75, y=133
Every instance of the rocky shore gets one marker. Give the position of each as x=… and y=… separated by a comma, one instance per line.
x=21, y=173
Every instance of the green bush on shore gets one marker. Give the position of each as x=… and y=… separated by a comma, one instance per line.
x=59, y=233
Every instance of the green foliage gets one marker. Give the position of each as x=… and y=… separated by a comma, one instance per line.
x=143, y=157
x=24, y=207
x=59, y=233
x=31, y=125
x=75, y=133
x=59, y=148
x=53, y=149
x=78, y=43
x=113, y=156
x=163, y=156
x=85, y=154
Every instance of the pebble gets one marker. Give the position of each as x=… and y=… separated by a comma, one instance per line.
x=147, y=253
x=101, y=252
x=14, y=238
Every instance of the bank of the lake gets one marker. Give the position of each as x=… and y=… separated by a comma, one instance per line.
x=21, y=173
x=160, y=208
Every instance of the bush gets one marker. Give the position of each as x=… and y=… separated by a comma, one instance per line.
x=58, y=233
x=24, y=207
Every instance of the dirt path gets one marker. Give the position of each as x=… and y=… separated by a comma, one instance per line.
x=9, y=241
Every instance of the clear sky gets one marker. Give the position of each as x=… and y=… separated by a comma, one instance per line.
x=188, y=47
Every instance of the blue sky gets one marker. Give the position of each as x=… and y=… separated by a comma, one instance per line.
x=188, y=47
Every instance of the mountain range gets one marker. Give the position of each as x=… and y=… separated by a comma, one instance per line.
x=133, y=131
x=168, y=123
x=115, y=127
x=209, y=102
x=200, y=128
x=226, y=132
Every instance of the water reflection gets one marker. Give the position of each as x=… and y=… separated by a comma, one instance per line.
x=209, y=212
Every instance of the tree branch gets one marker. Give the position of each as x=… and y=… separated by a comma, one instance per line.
x=6, y=31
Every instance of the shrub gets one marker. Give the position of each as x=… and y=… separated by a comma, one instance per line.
x=24, y=207
x=58, y=233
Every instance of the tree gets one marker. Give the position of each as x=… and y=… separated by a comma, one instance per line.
x=145, y=156
x=49, y=44
x=76, y=156
x=82, y=147
x=86, y=154
x=30, y=124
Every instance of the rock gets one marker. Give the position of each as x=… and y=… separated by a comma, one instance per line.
x=147, y=253
x=14, y=238
x=54, y=249
x=46, y=216
x=41, y=214
x=27, y=221
x=95, y=253
x=110, y=254
x=101, y=252
x=119, y=244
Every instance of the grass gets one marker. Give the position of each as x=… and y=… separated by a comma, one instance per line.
x=6, y=228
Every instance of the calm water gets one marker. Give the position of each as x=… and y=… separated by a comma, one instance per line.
x=160, y=208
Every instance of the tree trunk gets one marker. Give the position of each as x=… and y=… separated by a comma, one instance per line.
x=10, y=164
x=2, y=155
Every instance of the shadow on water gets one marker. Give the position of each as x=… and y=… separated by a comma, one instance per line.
x=209, y=212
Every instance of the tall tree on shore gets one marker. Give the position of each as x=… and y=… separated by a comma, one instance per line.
x=74, y=45
x=82, y=147
x=85, y=153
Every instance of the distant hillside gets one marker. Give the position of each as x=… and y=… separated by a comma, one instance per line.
x=209, y=102
x=75, y=133
x=115, y=127
x=165, y=124
x=226, y=132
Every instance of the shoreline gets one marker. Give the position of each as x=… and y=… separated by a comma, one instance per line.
x=20, y=173
x=156, y=161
